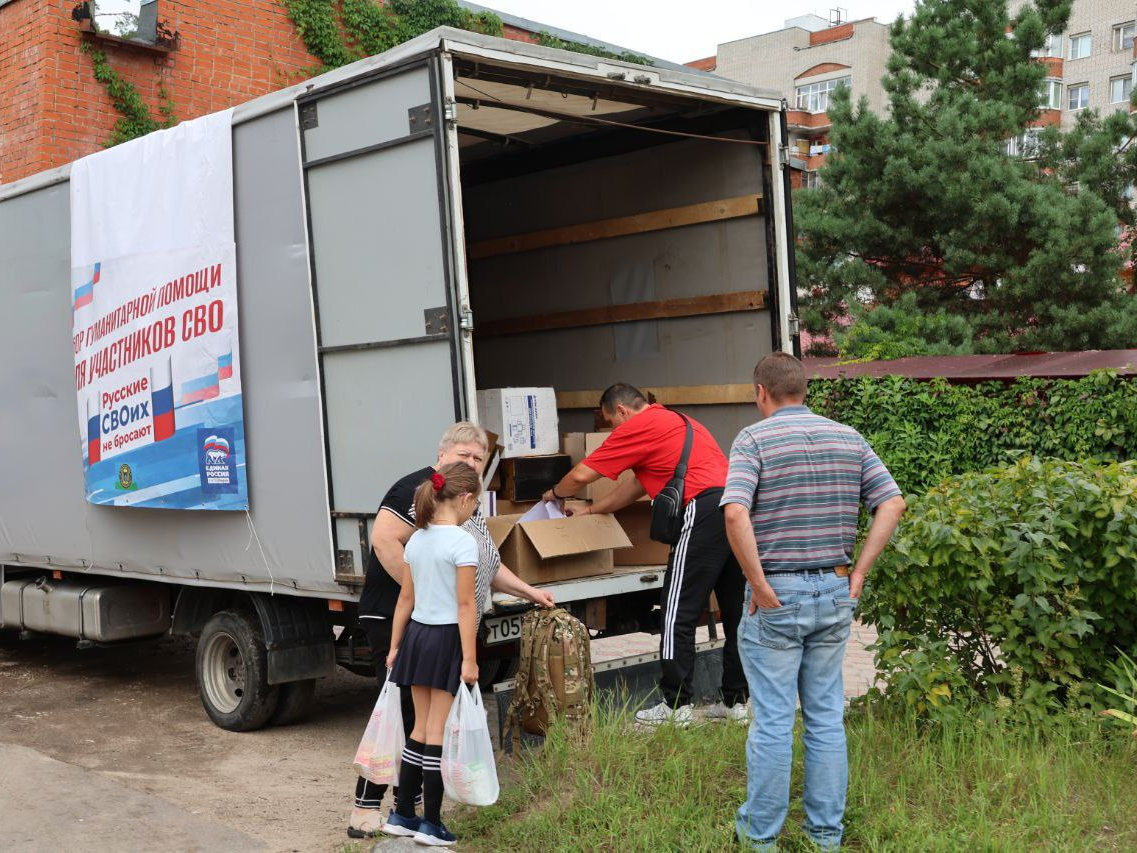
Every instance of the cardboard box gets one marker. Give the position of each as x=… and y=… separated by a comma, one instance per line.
x=603, y=487
x=506, y=507
x=525, y=420
x=557, y=549
x=645, y=551
x=578, y=445
x=572, y=445
x=526, y=478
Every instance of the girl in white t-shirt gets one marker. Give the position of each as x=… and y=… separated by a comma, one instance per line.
x=433, y=640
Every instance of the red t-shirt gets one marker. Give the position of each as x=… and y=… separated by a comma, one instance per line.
x=650, y=443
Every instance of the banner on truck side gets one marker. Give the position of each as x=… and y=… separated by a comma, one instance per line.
x=154, y=321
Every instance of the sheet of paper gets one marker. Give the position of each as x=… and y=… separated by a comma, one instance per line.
x=542, y=511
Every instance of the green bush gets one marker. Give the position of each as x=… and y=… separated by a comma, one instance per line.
x=926, y=431
x=1011, y=587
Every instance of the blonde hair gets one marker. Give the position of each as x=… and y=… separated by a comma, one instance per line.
x=464, y=432
x=455, y=479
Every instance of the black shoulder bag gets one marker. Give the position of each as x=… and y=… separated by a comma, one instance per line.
x=667, y=508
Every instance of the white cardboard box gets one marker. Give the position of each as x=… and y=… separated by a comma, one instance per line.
x=525, y=420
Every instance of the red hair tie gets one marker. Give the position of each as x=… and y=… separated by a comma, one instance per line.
x=438, y=481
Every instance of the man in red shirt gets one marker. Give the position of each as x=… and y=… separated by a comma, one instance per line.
x=648, y=439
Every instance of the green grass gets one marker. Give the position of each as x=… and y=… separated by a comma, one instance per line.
x=973, y=787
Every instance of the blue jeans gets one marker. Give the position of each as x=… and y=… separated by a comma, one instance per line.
x=788, y=652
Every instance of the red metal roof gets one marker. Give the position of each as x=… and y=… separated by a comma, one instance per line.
x=978, y=368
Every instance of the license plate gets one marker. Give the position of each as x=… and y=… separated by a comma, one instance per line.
x=503, y=629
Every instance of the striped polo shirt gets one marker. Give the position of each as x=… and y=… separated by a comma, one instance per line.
x=803, y=478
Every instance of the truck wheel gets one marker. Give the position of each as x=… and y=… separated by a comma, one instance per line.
x=497, y=671
x=232, y=672
x=297, y=699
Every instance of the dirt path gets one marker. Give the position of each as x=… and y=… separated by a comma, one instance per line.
x=132, y=715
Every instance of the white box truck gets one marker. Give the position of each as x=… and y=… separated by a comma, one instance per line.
x=461, y=212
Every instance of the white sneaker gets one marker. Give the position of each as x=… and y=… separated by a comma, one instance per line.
x=739, y=713
x=664, y=713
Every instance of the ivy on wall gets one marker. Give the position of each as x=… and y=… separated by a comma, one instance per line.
x=337, y=33
x=548, y=40
x=343, y=32
x=136, y=119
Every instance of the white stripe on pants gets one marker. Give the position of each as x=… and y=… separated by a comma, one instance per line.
x=677, y=565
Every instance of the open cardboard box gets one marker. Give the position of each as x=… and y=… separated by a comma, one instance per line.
x=557, y=549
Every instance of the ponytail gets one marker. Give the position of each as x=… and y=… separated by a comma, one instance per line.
x=446, y=484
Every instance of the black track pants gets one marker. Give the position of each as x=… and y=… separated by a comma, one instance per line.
x=701, y=562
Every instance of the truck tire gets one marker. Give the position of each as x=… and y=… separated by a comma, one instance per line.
x=232, y=672
x=297, y=699
x=496, y=671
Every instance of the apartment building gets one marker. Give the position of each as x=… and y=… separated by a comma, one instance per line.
x=1091, y=65
x=807, y=59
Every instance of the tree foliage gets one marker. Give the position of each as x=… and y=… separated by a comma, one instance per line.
x=884, y=332
x=927, y=201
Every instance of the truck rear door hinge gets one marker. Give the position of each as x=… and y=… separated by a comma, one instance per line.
x=466, y=320
x=795, y=325
x=784, y=155
x=450, y=112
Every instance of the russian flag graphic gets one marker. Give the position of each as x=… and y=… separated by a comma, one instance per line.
x=162, y=399
x=94, y=438
x=204, y=388
x=85, y=294
x=225, y=366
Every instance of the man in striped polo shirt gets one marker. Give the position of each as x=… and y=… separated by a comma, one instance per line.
x=792, y=501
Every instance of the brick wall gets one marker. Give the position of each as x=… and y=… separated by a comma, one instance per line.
x=21, y=74
x=54, y=111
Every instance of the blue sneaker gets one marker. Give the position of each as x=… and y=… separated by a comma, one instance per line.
x=407, y=827
x=434, y=835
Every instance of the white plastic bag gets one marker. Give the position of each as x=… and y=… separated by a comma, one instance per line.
x=381, y=751
x=469, y=773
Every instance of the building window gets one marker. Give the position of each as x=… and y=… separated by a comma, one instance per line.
x=1051, y=47
x=811, y=180
x=1050, y=98
x=1079, y=96
x=1119, y=89
x=1026, y=145
x=1079, y=46
x=814, y=97
x=1123, y=36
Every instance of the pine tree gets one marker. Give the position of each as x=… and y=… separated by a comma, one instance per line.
x=927, y=201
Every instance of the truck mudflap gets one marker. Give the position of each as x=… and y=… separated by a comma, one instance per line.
x=298, y=637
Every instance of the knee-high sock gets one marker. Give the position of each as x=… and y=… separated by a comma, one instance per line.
x=432, y=783
x=410, y=778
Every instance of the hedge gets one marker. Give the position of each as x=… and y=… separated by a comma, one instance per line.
x=928, y=431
